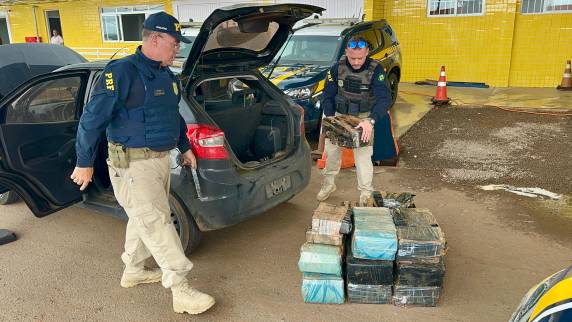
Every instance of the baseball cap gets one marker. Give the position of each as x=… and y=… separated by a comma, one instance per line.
x=164, y=22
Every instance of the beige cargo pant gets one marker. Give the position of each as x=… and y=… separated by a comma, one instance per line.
x=364, y=166
x=143, y=190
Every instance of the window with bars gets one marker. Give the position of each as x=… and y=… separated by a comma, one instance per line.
x=546, y=6
x=455, y=7
x=125, y=23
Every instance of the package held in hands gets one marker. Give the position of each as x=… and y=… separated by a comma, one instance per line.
x=342, y=131
x=321, y=288
x=375, y=235
x=319, y=258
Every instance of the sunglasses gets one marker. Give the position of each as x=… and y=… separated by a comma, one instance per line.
x=352, y=44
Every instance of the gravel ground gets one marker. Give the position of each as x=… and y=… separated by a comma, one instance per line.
x=476, y=145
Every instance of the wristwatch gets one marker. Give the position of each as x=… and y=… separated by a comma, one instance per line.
x=371, y=121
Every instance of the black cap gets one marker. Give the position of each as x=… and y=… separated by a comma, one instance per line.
x=164, y=22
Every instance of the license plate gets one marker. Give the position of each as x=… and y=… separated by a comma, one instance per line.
x=278, y=186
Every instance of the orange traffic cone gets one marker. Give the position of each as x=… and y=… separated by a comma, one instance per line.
x=441, y=97
x=566, y=84
x=347, y=159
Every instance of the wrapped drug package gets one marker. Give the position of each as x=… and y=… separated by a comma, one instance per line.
x=374, y=235
x=420, y=241
x=414, y=217
x=416, y=295
x=369, y=294
x=317, y=238
x=319, y=258
x=420, y=273
x=341, y=130
x=321, y=288
x=330, y=219
x=367, y=271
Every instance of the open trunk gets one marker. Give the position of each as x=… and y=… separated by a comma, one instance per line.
x=257, y=126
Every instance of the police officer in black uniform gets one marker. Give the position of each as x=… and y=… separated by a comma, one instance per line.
x=136, y=103
x=356, y=85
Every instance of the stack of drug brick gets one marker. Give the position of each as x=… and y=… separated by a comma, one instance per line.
x=369, y=262
x=321, y=257
x=420, y=265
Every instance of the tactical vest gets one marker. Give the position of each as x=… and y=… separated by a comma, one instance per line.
x=354, y=89
x=155, y=124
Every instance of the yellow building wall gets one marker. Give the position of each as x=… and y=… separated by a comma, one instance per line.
x=80, y=21
x=472, y=48
x=542, y=44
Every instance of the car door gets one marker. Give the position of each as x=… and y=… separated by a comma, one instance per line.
x=38, y=125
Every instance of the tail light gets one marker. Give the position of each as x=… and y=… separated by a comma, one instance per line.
x=207, y=141
x=302, y=128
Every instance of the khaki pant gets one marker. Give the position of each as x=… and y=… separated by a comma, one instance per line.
x=362, y=158
x=143, y=190
x=364, y=167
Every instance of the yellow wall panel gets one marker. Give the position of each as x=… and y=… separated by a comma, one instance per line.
x=502, y=47
x=541, y=47
x=473, y=48
x=80, y=21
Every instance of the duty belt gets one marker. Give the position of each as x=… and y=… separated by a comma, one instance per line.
x=120, y=156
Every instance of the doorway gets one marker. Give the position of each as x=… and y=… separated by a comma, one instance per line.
x=4, y=29
x=53, y=22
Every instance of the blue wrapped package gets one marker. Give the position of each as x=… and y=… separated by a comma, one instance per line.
x=375, y=236
x=319, y=258
x=321, y=288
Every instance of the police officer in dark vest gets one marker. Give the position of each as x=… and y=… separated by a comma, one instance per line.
x=136, y=101
x=356, y=85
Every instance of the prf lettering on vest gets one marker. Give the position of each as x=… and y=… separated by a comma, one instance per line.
x=109, y=81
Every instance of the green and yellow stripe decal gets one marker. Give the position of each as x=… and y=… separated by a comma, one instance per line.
x=284, y=76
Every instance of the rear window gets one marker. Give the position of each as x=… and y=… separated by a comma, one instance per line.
x=186, y=48
x=389, y=31
x=253, y=35
x=313, y=50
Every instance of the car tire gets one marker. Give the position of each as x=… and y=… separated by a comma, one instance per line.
x=8, y=197
x=185, y=225
x=393, y=81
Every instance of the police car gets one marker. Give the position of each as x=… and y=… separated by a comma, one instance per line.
x=247, y=135
x=549, y=301
x=301, y=68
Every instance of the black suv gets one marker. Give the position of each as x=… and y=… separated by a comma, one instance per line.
x=300, y=70
x=247, y=135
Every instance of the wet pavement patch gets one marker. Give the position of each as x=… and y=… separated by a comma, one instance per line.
x=482, y=146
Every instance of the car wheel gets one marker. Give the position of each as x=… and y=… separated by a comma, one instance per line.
x=393, y=85
x=185, y=225
x=8, y=197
